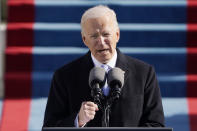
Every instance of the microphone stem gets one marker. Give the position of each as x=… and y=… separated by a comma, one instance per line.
x=107, y=115
x=106, y=112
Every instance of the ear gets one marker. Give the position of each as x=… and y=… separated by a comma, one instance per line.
x=117, y=35
x=83, y=38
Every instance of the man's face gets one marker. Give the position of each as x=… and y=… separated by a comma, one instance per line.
x=101, y=35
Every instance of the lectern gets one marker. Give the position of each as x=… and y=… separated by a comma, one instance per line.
x=107, y=129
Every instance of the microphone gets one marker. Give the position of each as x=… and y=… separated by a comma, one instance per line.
x=97, y=78
x=115, y=80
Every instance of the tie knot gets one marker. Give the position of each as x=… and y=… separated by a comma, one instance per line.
x=106, y=67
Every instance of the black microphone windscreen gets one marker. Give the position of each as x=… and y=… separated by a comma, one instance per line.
x=115, y=76
x=97, y=75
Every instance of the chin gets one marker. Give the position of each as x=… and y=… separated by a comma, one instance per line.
x=104, y=61
x=104, y=58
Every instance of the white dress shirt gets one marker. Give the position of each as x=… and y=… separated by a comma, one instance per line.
x=111, y=63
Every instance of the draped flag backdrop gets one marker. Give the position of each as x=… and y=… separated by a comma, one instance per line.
x=42, y=35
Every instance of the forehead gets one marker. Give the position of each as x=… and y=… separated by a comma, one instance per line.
x=104, y=22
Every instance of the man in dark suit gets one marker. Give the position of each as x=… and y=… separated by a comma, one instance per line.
x=70, y=102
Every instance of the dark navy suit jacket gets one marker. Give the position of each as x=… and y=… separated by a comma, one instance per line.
x=139, y=104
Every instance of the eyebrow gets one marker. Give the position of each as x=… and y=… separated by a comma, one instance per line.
x=92, y=34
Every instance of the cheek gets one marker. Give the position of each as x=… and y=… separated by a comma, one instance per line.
x=93, y=45
x=90, y=43
x=111, y=41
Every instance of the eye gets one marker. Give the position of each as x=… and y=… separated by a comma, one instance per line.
x=106, y=34
x=94, y=36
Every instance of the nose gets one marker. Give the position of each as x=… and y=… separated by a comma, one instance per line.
x=101, y=40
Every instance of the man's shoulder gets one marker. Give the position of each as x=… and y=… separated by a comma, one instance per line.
x=139, y=67
x=134, y=62
x=72, y=66
x=137, y=62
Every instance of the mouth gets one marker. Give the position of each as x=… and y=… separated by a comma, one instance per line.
x=103, y=51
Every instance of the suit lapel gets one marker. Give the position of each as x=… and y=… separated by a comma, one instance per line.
x=87, y=62
x=122, y=64
x=85, y=67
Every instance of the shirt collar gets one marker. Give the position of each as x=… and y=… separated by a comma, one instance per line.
x=111, y=63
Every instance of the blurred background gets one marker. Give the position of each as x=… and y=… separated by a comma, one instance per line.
x=39, y=36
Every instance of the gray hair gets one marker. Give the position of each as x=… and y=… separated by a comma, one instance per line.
x=98, y=11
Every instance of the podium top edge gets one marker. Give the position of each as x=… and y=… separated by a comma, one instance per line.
x=111, y=128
